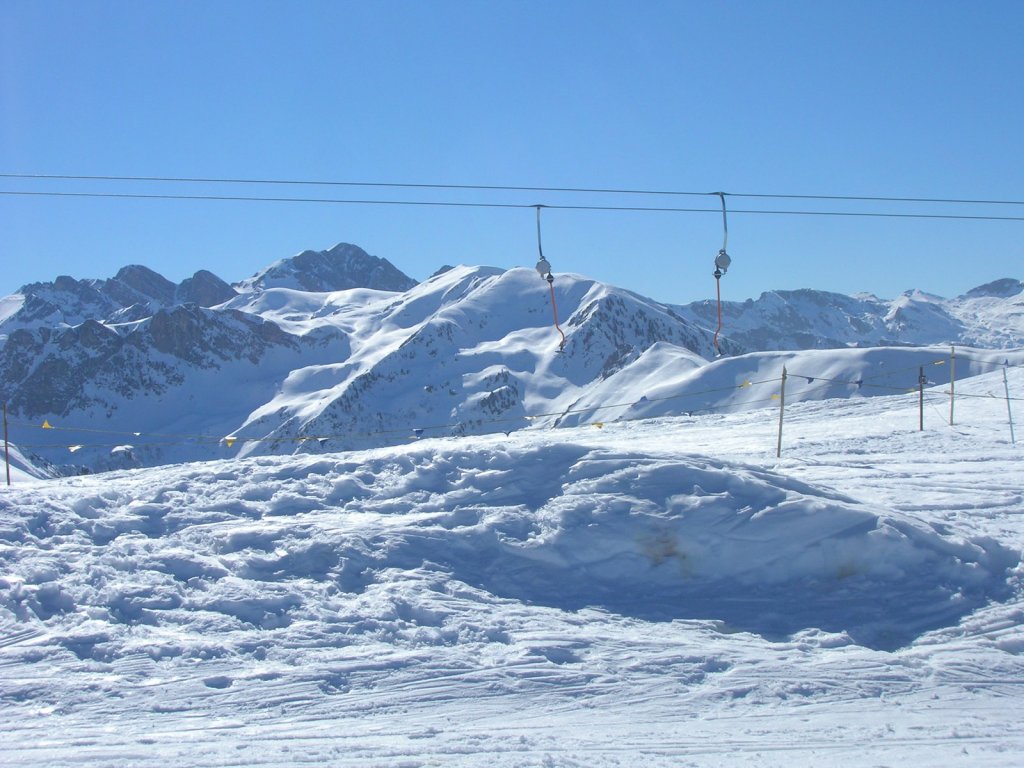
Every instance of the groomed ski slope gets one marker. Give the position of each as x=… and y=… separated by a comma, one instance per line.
x=662, y=592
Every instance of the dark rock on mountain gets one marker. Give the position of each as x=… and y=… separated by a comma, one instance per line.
x=343, y=267
x=1002, y=289
x=143, y=283
x=59, y=371
x=205, y=289
x=135, y=293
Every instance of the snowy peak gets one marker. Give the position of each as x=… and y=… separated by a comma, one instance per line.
x=134, y=293
x=341, y=268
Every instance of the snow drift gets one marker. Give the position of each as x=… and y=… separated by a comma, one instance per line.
x=270, y=543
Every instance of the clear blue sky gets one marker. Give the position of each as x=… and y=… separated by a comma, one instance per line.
x=893, y=98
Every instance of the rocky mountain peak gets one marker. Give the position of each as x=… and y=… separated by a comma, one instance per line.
x=144, y=281
x=343, y=267
x=205, y=289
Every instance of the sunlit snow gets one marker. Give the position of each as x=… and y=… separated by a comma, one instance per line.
x=662, y=591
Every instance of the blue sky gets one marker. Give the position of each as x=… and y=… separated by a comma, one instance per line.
x=866, y=98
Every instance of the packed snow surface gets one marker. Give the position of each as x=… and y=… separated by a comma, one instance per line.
x=658, y=592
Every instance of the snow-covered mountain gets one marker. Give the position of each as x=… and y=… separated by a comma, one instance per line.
x=990, y=315
x=136, y=292
x=337, y=349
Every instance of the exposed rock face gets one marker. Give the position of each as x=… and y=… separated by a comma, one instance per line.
x=205, y=289
x=1002, y=289
x=341, y=268
x=57, y=372
x=144, y=283
x=135, y=293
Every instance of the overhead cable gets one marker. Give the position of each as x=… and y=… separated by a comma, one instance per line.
x=462, y=204
x=505, y=188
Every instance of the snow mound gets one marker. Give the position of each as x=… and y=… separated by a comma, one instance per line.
x=689, y=538
x=289, y=544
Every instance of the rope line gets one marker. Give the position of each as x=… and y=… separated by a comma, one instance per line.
x=159, y=439
x=201, y=438
x=178, y=438
x=211, y=440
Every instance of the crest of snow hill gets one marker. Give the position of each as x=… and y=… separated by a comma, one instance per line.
x=337, y=349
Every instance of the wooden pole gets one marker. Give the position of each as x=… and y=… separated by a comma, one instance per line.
x=920, y=398
x=7, y=455
x=1009, y=412
x=952, y=382
x=782, y=410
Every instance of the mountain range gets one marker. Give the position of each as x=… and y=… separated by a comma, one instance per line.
x=338, y=349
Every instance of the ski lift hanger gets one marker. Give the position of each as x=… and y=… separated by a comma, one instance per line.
x=544, y=268
x=722, y=262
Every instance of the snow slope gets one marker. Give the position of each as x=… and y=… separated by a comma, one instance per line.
x=652, y=592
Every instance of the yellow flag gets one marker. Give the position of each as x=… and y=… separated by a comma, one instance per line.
x=230, y=441
x=46, y=424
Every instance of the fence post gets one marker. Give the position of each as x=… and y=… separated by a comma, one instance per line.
x=952, y=382
x=920, y=398
x=7, y=455
x=782, y=410
x=1009, y=412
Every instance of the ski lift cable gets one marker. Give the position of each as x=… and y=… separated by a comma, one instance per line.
x=465, y=204
x=725, y=223
x=540, y=248
x=498, y=188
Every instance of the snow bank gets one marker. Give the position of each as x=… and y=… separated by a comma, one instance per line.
x=265, y=543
